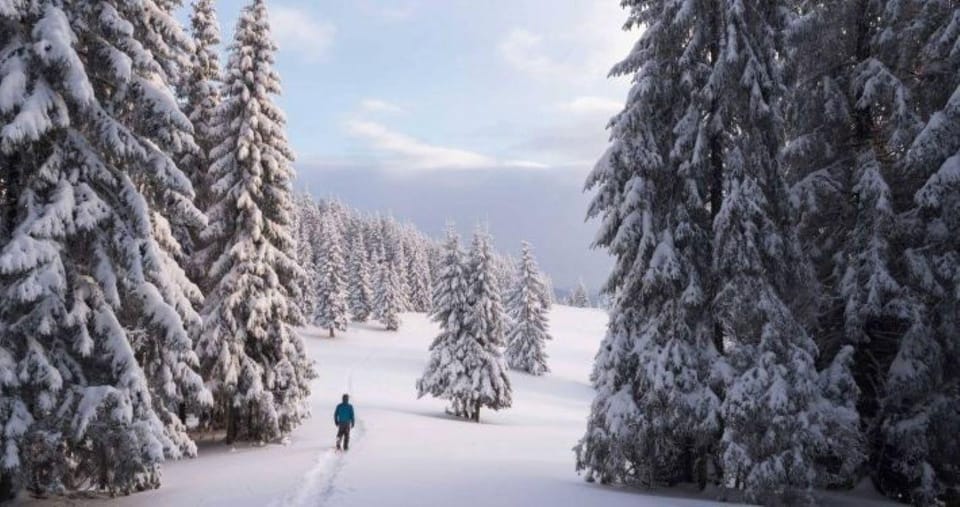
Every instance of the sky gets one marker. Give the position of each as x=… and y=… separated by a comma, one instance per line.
x=438, y=110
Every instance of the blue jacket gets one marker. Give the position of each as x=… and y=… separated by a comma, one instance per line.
x=343, y=414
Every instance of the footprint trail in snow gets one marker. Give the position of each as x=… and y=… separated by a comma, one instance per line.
x=319, y=483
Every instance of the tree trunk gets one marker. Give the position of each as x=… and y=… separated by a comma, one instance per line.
x=6, y=487
x=716, y=167
x=476, y=412
x=231, y=424
x=331, y=332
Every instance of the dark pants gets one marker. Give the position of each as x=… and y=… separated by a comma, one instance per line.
x=343, y=433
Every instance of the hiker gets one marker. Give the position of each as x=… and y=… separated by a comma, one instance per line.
x=344, y=419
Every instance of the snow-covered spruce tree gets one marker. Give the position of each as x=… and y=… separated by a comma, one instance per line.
x=418, y=273
x=96, y=361
x=548, y=295
x=527, y=328
x=446, y=375
x=388, y=299
x=200, y=89
x=462, y=368
x=331, y=311
x=763, y=300
x=655, y=417
x=579, y=297
x=923, y=384
x=396, y=249
x=484, y=332
x=256, y=365
x=504, y=270
x=306, y=224
x=360, y=292
x=883, y=255
x=695, y=209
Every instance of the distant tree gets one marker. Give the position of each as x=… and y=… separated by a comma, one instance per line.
x=331, y=310
x=360, y=298
x=485, y=327
x=579, y=297
x=418, y=272
x=464, y=369
x=387, y=296
x=306, y=225
x=527, y=329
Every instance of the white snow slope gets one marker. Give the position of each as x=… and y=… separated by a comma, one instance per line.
x=408, y=452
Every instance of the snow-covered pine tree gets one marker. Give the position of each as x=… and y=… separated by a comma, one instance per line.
x=579, y=297
x=504, y=269
x=97, y=362
x=200, y=89
x=889, y=73
x=462, y=368
x=548, y=296
x=922, y=389
x=445, y=376
x=695, y=209
x=306, y=224
x=388, y=299
x=655, y=417
x=763, y=301
x=527, y=329
x=396, y=254
x=255, y=363
x=360, y=291
x=331, y=310
x=418, y=273
x=490, y=385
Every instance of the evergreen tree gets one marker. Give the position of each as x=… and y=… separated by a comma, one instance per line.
x=579, y=297
x=255, y=363
x=201, y=99
x=485, y=332
x=307, y=226
x=360, y=297
x=655, y=417
x=527, y=333
x=396, y=254
x=387, y=299
x=418, y=273
x=464, y=369
x=96, y=362
x=872, y=123
x=695, y=209
x=331, y=311
x=548, y=296
x=445, y=376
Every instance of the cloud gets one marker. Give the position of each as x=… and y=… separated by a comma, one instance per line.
x=523, y=50
x=390, y=10
x=579, y=53
x=379, y=106
x=413, y=153
x=525, y=164
x=410, y=153
x=592, y=105
x=296, y=31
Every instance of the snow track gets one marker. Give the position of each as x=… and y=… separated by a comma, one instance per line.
x=319, y=483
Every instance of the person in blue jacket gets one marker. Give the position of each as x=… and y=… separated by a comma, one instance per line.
x=344, y=419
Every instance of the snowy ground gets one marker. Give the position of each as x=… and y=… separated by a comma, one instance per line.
x=407, y=452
